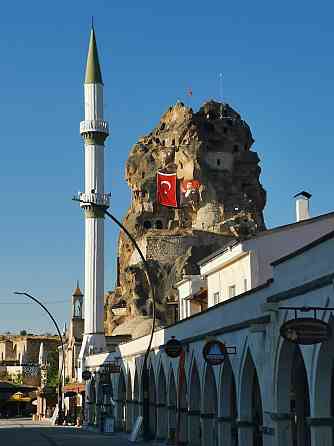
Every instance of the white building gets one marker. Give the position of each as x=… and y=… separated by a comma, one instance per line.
x=271, y=392
x=241, y=266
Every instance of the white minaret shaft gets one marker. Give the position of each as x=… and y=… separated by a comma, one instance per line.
x=94, y=131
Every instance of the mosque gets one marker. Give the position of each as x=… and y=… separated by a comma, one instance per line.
x=263, y=296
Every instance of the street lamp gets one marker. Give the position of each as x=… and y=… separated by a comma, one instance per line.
x=60, y=403
x=145, y=374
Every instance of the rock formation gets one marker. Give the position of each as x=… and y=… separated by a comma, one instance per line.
x=220, y=197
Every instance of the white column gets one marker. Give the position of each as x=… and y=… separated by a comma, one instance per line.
x=94, y=276
x=194, y=428
x=162, y=422
x=93, y=101
x=209, y=435
x=224, y=425
x=245, y=432
x=321, y=431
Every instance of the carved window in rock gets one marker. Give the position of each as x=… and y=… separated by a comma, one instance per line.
x=218, y=162
x=158, y=224
x=147, y=224
x=235, y=148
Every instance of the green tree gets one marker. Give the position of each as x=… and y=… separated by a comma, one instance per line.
x=53, y=375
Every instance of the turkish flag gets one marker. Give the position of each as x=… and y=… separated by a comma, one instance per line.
x=166, y=189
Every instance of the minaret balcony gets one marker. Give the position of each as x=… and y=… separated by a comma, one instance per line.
x=96, y=125
x=87, y=199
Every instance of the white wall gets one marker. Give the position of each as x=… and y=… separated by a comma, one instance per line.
x=274, y=245
x=233, y=274
x=187, y=287
x=251, y=259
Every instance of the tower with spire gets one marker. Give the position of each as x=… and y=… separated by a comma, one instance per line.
x=94, y=131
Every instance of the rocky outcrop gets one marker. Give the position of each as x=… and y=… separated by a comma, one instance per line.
x=219, y=194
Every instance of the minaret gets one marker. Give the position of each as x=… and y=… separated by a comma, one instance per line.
x=94, y=130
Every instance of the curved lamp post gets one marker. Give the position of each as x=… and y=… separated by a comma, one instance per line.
x=60, y=405
x=145, y=374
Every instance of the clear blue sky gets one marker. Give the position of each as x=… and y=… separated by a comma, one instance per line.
x=278, y=69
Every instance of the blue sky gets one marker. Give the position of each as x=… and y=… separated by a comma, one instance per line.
x=278, y=71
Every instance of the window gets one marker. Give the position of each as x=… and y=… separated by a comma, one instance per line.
x=158, y=224
x=216, y=298
x=245, y=284
x=231, y=291
x=147, y=224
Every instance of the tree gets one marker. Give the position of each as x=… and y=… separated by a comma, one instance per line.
x=23, y=333
x=53, y=376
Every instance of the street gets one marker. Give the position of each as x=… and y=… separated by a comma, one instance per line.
x=24, y=432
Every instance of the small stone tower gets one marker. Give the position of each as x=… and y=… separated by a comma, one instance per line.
x=77, y=321
x=77, y=303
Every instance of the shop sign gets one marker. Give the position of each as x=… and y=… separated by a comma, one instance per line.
x=306, y=331
x=173, y=348
x=86, y=375
x=111, y=367
x=214, y=352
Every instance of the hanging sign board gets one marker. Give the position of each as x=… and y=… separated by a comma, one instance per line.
x=214, y=352
x=86, y=375
x=173, y=348
x=306, y=331
x=112, y=367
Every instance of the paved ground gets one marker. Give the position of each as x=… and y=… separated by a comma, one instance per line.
x=23, y=432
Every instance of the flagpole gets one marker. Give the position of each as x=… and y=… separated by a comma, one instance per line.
x=221, y=94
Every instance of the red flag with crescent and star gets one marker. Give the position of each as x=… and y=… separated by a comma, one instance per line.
x=166, y=189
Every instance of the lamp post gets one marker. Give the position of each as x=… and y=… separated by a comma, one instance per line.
x=145, y=375
x=60, y=400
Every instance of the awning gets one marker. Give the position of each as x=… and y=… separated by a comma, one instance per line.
x=73, y=388
x=19, y=397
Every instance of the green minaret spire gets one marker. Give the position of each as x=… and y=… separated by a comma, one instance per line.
x=93, y=70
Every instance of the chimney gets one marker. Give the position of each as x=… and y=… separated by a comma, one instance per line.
x=302, y=205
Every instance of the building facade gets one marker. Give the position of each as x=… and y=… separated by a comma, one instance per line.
x=270, y=392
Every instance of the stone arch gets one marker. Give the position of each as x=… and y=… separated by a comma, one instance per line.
x=323, y=391
x=228, y=406
x=152, y=394
x=171, y=405
x=292, y=396
x=129, y=404
x=162, y=409
x=209, y=408
x=250, y=405
x=121, y=402
x=194, y=419
x=322, y=384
